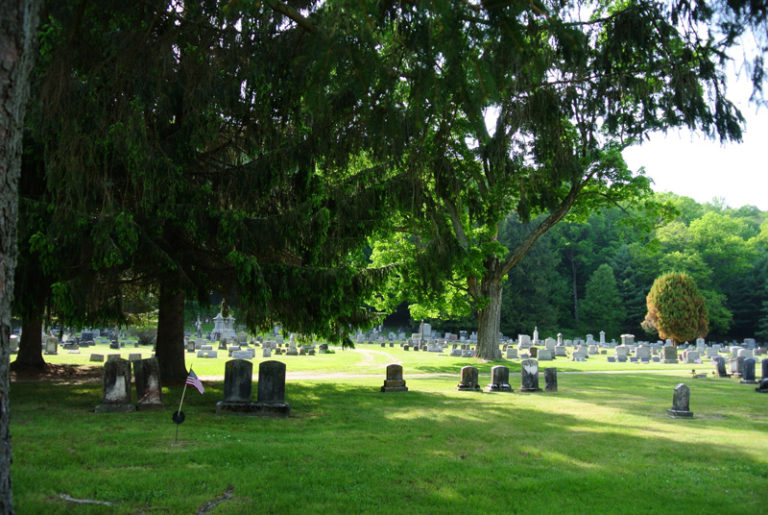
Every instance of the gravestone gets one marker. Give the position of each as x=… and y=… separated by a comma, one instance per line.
x=719, y=363
x=550, y=379
x=244, y=354
x=113, y=357
x=545, y=355
x=643, y=352
x=190, y=346
x=680, y=403
x=627, y=339
x=266, y=352
x=207, y=354
x=764, y=364
x=530, y=376
x=523, y=341
x=622, y=352
x=691, y=356
x=763, y=387
x=238, y=378
x=468, y=381
x=748, y=374
x=270, y=396
x=134, y=357
x=534, y=352
x=394, y=381
x=99, y=358
x=670, y=354
x=561, y=351
x=51, y=345
x=511, y=352
x=499, y=380
x=148, y=389
x=580, y=354
x=117, y=388
x=746, y=353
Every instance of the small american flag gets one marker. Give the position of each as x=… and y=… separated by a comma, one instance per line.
x=193, y=380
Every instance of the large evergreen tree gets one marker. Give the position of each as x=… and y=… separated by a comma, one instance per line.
x=602, y=308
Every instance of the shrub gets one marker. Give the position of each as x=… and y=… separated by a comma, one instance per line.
x=676, y=309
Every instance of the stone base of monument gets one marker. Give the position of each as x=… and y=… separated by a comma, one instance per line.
x=394, y=386
x=674, y=413
x=468, y=387
x=748, y=381
x=499, y=388
x=114, y=408
x=523, y=390
x=254, y=409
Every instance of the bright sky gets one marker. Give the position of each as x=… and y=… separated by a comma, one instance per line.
x=703, y=169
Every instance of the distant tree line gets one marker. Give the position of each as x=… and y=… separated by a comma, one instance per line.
x=592, y=275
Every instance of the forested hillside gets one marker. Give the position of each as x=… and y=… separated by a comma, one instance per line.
x=594, y=275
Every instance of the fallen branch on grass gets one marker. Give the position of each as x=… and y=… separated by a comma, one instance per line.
x=84, y=501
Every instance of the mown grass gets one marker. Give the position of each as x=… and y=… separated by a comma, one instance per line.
x=369, y=359
x=602, y=444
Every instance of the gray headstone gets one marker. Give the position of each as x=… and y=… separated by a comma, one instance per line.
x=499, y=380
x=719, y=363
x=271, y=390
x=763, y=388
x=468, y=381
x=394, y=381
x=550, y=379
x=748, y=376
x=680, y=402
x=117, y=387
x=99, y=358
x=670, y=354
x=148, y=386
x=530, y=376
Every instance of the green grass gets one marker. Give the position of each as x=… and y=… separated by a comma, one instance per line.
x=603, y=443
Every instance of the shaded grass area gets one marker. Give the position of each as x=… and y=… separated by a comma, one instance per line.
x=602, y=443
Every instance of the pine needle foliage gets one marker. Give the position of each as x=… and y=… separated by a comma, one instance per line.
x=676, y=309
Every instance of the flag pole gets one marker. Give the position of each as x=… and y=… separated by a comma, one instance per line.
x=183, y=392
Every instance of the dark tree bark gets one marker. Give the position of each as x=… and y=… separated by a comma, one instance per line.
x=18, y=26
x=170, y=335
x=31, y=345
x=489, y=320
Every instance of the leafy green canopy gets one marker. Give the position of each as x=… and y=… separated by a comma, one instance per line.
x=676, y=309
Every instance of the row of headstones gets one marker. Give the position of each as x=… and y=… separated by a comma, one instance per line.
x=469, y=379
x=743, y=368
x=99, y=358
x=244, y=352
x=117, y=385
x=237, y=387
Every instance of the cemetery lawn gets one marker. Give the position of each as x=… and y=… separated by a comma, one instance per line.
x=601, y=444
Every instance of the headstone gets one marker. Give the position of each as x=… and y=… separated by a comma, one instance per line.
x=468, y=381
x=51, y=345
x=207, y=354
x=534, y=352
x=622, y=351
x=244, y=354
x=719, y=363
x=580, y=354
x=561, y=351
x=394, y=381
x=113, y=357
x=680, y=402
x=530, y=376
x=748, y=376
x=266, y=352
x=238, y=378
x=764, y=365
x=117, y=387
x=746, y=353
x=545, y=355
x=134, y=357
x=763, y=387
x=270, y=396
x=99, y=358
x=499, y=380
x=148, y=386
x=559, y=338
x=602, y=337
x=523, y=341
x=691, y=356
x=627, y=339
x=550, y=379
x=190, y=346
x=643, y=352
x=670, y=354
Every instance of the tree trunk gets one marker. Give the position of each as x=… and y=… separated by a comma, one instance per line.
x=18, y=27
x=489, y=320
x=575, y=291
x=170, y=336
x=31, y=345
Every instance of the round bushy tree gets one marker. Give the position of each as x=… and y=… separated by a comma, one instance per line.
x=676, y=309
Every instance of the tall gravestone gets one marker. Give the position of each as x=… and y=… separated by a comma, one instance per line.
x=394, y=381
x=719, y=363
x=748, y=376
x=270, y=396
x=764, y=364
x=148, y=390
x=117, y=387
x=499, y=380
x=469, y=380
x=530, y=376
x=681, y=403
x=550, y=379
x=238, y=377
